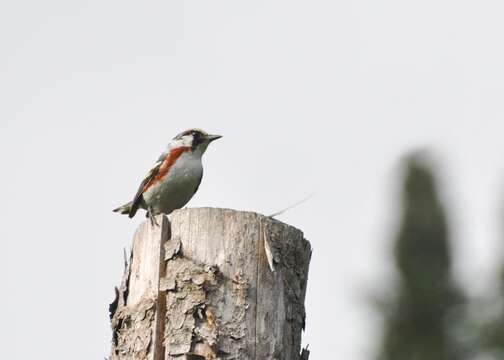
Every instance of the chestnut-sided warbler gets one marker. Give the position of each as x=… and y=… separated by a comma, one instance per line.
x=174, y=178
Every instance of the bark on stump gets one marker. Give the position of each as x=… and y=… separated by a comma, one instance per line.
x=213, y=284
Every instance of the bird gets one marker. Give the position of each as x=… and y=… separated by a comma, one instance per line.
x=174, y=178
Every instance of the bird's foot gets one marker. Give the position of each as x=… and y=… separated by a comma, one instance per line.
x=152, y=218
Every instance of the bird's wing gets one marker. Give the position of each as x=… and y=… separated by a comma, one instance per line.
x=156, y=173
x=146, y=182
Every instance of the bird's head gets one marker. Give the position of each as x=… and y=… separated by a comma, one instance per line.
x=196, y=139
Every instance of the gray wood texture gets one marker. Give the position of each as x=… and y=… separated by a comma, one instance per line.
x=213, y=284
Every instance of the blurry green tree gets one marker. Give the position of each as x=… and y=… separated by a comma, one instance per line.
x=422, y=315
x=489, y=315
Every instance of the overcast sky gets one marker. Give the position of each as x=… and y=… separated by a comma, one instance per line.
x=309, y=95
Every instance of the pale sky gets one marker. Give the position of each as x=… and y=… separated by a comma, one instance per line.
x=321, y=96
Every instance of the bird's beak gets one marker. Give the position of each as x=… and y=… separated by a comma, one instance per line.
x=213, y=137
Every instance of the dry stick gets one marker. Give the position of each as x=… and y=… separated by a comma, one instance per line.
x=292, y=206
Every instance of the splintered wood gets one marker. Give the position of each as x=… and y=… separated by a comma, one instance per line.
x=213, y=284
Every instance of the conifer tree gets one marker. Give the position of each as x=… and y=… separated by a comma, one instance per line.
x=419, y=321
x=491, y=334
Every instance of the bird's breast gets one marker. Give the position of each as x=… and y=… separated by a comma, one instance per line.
x=177, y=186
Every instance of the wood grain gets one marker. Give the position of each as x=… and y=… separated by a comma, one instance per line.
x=205, y=289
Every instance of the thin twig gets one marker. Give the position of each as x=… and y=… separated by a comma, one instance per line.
x=292, y=206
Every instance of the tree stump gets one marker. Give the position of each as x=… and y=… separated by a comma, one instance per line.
x=213, y=284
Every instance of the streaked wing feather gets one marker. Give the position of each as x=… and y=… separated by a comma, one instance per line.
x=145, y=183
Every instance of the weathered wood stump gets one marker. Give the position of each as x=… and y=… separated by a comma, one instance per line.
x=213, y=284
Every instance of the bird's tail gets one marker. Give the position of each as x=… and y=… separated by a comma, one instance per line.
x=124, y=209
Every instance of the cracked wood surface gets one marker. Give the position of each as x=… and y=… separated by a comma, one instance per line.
x=137, y=312
x=213, y=284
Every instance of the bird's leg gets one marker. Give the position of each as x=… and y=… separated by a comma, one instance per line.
x=152, y=217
